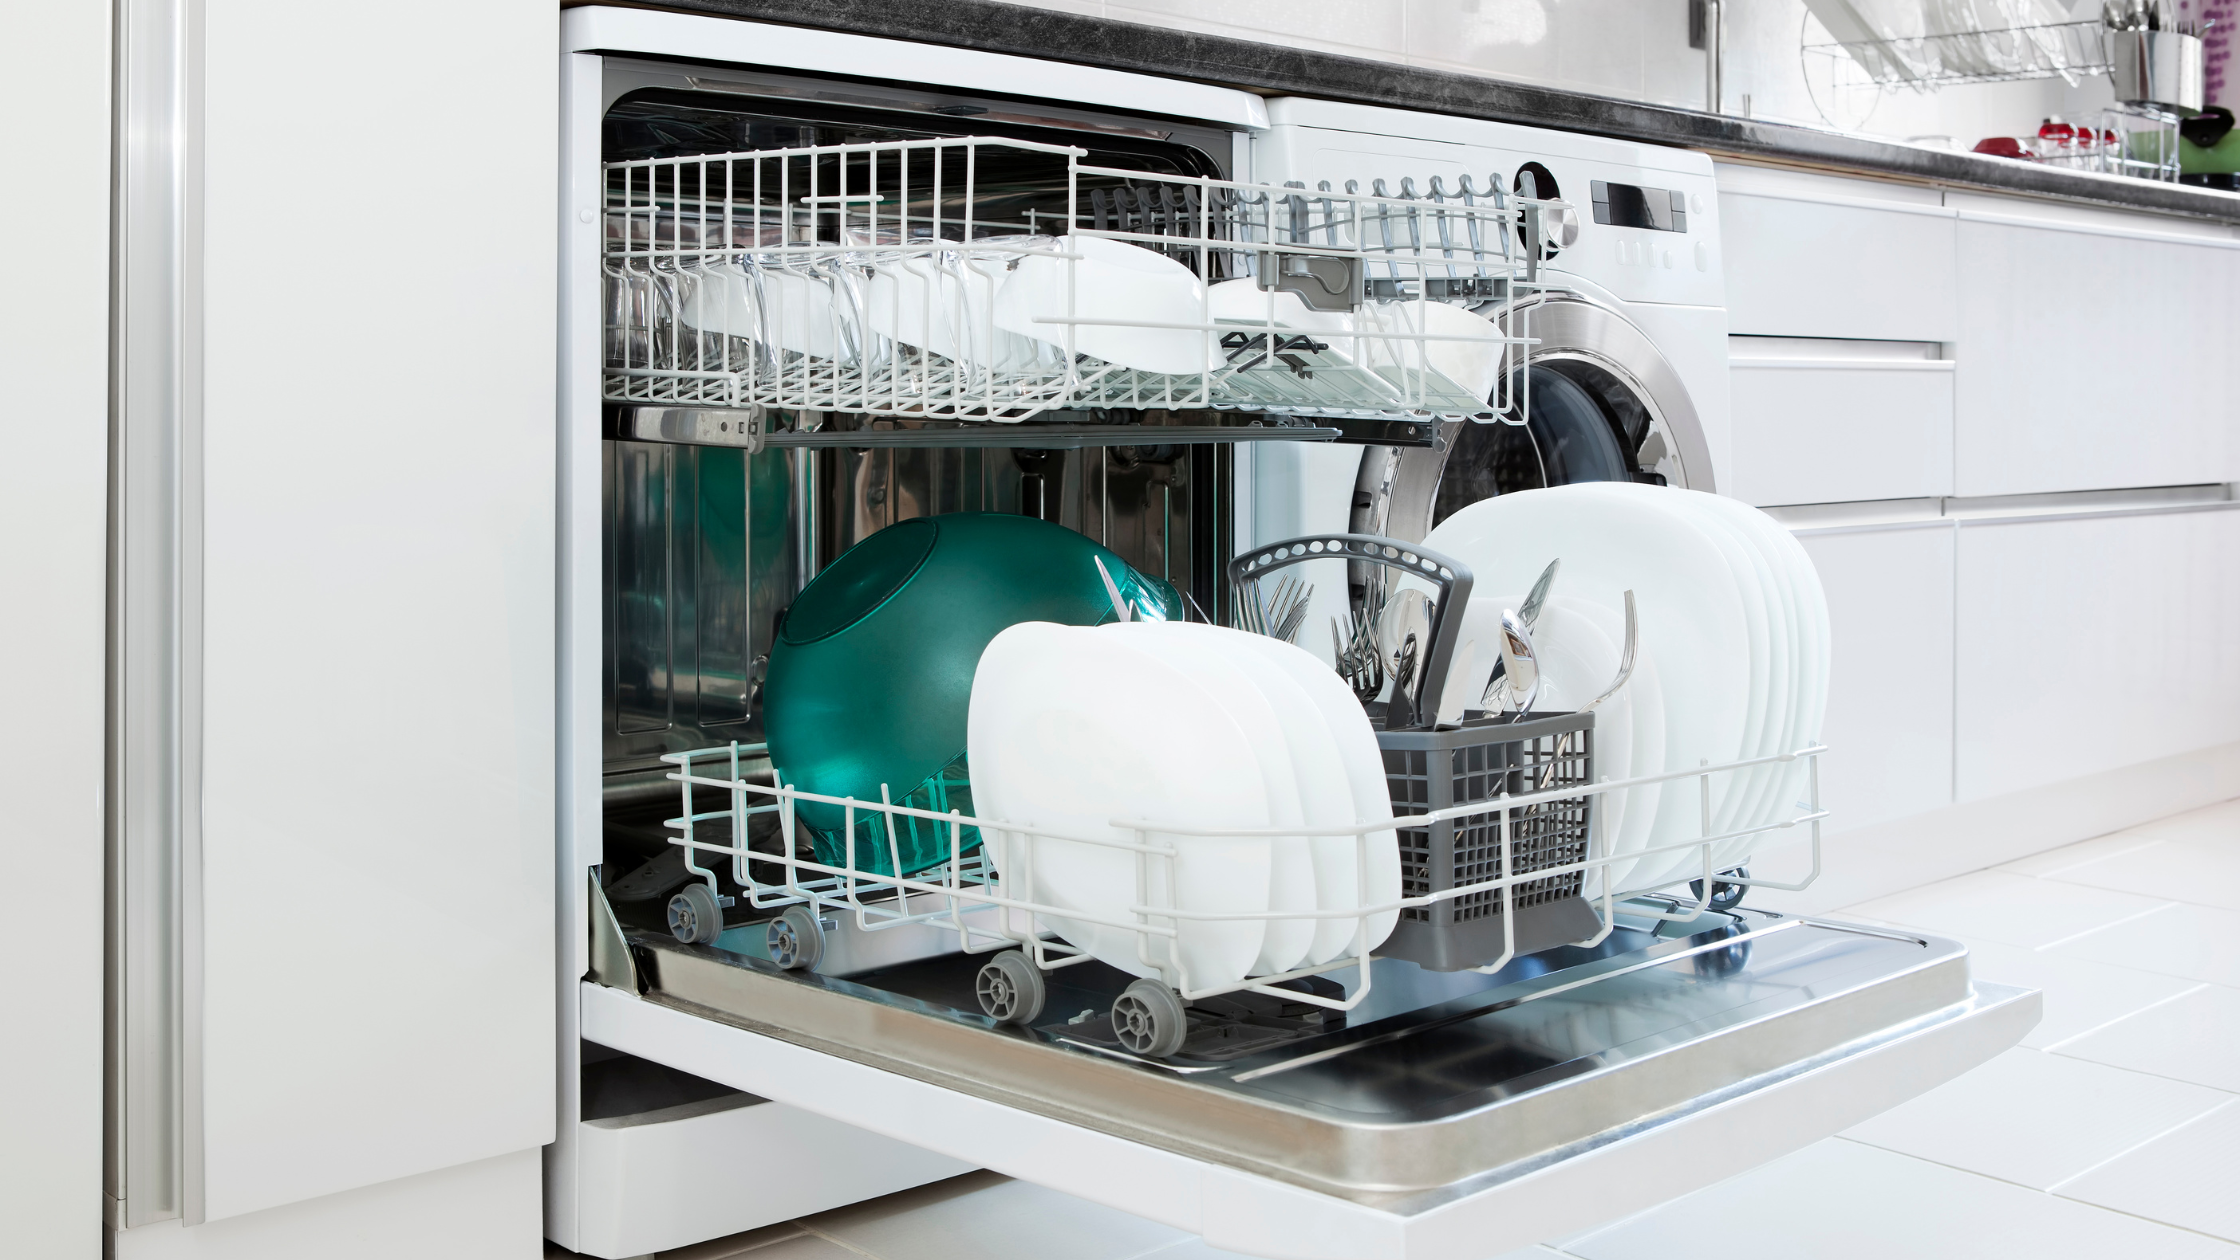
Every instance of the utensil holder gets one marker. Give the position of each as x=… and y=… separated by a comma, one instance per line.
x=2161, y=68
x=1449, y=577
x=1483, y=761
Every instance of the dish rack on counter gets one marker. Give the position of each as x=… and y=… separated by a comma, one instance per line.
x=868, y=278
x=1506, y=849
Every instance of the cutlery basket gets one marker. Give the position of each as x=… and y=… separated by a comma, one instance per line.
x=1487, y=759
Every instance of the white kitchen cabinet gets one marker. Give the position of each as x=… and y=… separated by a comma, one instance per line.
x=1890, y=682
x=1829, y=421
x=1819, y=256
x=2093, y=351
x=2090, y=643
x=366, y=940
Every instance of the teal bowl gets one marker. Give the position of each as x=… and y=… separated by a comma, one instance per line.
x=871, y=673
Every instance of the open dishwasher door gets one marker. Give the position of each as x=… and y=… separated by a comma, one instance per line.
x=1574, y=1088
x=1443, y=1115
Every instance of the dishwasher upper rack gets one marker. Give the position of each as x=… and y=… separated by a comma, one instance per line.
x=807, y=279
x=980, y=900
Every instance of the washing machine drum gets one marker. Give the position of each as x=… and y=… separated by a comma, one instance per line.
x=1568, y=435
x=1603, y=404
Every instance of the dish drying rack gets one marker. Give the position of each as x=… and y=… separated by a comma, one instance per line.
x=794, y=246
x=988, y=905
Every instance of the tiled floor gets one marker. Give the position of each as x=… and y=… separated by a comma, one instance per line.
x=2113, y=1130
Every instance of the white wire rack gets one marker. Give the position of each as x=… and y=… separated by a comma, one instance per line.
x=974, y=279
x=990, y=907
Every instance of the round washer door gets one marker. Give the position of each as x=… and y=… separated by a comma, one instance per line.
x=1599, y=402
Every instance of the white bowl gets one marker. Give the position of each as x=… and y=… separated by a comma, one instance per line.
x=1120, y=286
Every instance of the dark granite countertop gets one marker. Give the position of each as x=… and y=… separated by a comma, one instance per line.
x=1274, y=70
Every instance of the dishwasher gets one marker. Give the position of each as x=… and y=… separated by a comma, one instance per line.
x=740, y=409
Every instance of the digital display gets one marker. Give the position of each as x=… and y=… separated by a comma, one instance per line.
x=1629, y=205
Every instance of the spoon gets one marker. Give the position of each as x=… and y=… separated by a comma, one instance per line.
x=1521, y=664
x=1530, y=613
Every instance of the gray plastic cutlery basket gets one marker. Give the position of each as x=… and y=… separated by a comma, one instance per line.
x=1482, y=761
x=1485, y=758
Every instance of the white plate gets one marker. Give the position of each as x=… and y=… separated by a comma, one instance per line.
x=807, y=314
x=1776, y=716
x=1691, y=614
x=1069, y=729
x=1577, y=661
x=1811, y=699
x=1744, y=790
x=946, y=303
x=1751, y=525
x=1339, y=862
x=1290, y=866
x=1468, y=351
x=1635, y=809
x=1115, y=281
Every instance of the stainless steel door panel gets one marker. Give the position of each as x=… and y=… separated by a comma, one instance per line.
x=1407, y=1106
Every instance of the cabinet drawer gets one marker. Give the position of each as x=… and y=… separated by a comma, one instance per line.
x=1813, y=256
x=1834, y=422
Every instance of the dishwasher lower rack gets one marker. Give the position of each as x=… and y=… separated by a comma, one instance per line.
x=963, y=279
x=1481, y=877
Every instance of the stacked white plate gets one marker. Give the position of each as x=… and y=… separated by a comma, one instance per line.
x=1733, y=652
x=1074, y=729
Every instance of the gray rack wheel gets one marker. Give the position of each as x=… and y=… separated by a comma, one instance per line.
x=694, y=916
x=796, y=939
x=1010, y=989
x=1724, y=896
x=1147, y=1017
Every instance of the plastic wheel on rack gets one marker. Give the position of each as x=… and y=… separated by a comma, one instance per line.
x=1147, y=1018
x=694, y=916
x=796, y=939
x=1724, y=896
x=1010, y=989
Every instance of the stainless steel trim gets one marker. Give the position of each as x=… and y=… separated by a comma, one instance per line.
x=2005, y=509
x=1489, y=1096
x=745, y=427
x=696, y=426
x=154, y=767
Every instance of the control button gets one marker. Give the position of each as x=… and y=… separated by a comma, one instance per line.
x=1703, y=256
x=1668, y=260
x=1695, y=202
x=584, y=215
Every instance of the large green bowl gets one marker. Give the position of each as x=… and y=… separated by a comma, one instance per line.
x=871, y=673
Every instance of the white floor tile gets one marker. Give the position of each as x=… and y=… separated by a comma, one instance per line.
x=2082, y=853
x=986, y=1216
x=2203, y=871
x=1842, y=1200
x=1998, y=906
x=2192, y=942
x=2189, y=1178
x=2037, y=1119
x=2080, y=995
x=2192, y=1038
x=803, y=1247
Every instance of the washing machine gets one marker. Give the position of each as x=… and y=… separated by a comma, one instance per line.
x=1628, y=366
